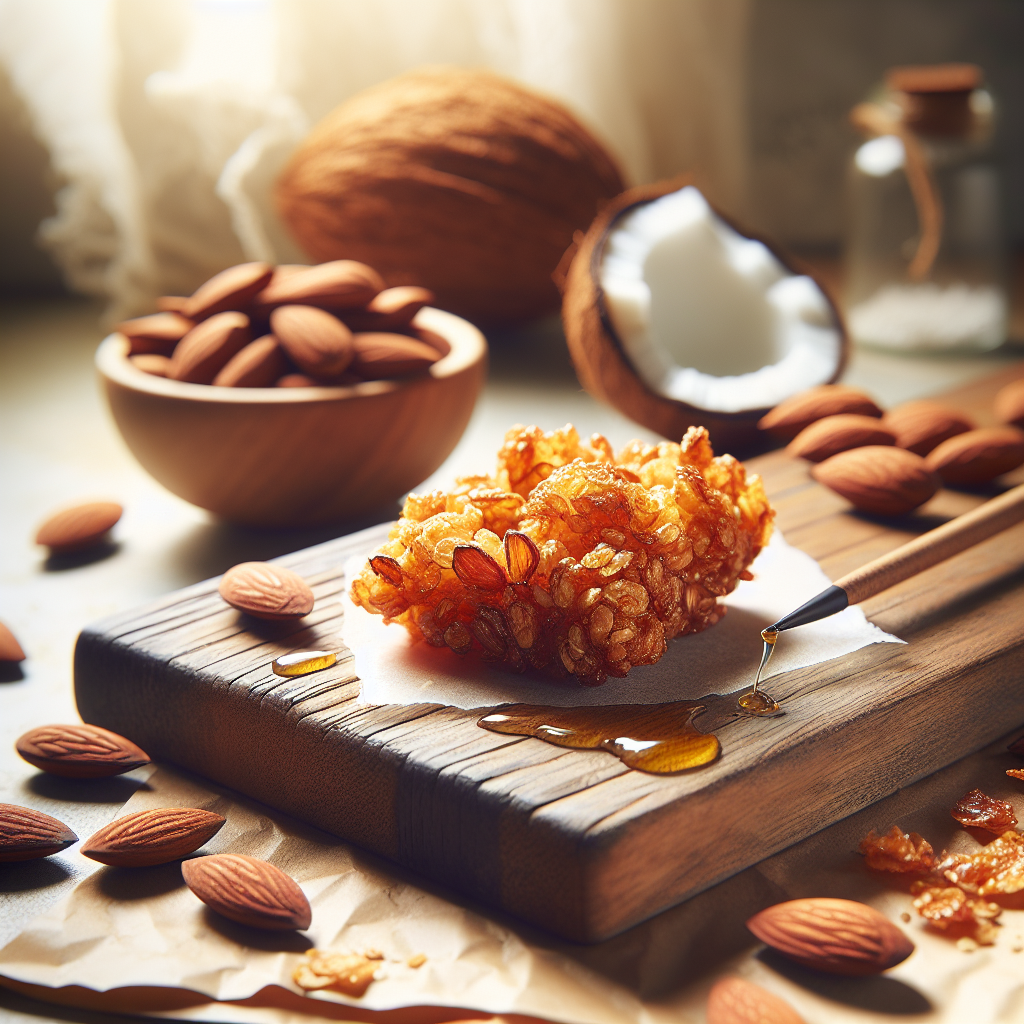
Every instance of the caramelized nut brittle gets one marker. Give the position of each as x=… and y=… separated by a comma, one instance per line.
x=570, y=559
x=996, y=868
x=978, y=810
x=950, y=908
x=899, y=851
x=350, y=973
x=1016, y=773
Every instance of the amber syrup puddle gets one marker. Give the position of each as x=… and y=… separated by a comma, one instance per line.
x=757, y=702
x=658, y=738
x=301, y=663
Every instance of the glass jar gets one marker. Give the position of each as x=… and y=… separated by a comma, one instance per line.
x=925, y=266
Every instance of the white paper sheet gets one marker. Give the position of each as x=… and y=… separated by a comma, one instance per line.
x=394, y=670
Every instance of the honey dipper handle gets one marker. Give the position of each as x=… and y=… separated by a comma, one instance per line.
x=935, y=546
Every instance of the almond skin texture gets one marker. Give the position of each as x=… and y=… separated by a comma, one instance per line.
x=80, y=751
x=26, y=834
x=391, y=310
x=318, y=343
x=834, y=434
x=266, y=591
x=339, y=284
x=978, y=455
x=386, y=356
x=208, y=348
x=1009, y=404
x=172, y=304
x=788, y=418
x=10, y=649
x=249, y=891
x=158, y=332
x=735, y=1001
x=258, y=365
x=78, y=528
x=233, y=288
x=879, y=479
x=151, y=363
x=146, y=838
x=834, y=936
x=921, y=426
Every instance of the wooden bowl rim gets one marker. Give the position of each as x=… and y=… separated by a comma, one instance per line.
x=468, y=347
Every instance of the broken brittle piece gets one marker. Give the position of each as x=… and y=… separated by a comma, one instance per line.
x=949, y=907
x=1016, y=773
x=349, y=973
x=899, y=851
x=570, y=559
x=978, y=810
x=996, y=868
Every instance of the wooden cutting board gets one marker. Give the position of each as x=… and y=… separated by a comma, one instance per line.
x=570, y=840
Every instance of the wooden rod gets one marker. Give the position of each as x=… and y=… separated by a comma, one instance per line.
x=935, y=546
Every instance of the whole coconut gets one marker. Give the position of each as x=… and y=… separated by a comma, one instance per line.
x=461, y=181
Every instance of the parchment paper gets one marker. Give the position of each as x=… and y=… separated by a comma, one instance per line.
x=143, y=928
x=394, y=670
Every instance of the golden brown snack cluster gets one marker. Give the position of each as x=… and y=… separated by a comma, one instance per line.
x=571, y=559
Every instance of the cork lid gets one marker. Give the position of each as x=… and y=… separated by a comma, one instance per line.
x=936, y=98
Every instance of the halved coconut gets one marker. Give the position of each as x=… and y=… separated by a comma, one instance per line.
x=676, y=317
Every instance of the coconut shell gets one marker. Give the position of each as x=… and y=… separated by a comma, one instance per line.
x=601, y=363
x=457, y=180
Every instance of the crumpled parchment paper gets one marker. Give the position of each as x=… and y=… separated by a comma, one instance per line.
x=722, y=659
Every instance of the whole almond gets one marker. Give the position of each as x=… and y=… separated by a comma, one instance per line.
x=736, y=1001
x=79, y=527
x=231, y=289
x=208, y=347
x=258, y=365
x=340, y=284
x=921, y=426
x=249, y=891
x=788, y=418
x=80, y=751
x=266, y=591
x=391, y=310
x=833, y=434
x=978, y=455
x=1009, y=404
x=151, y=363
x=26, y=834
x=879, y=479
x=158, y=332
x=440, y=345
x=317, y=342
x=145, y=838
x=835, y=936
x=386, y=356
x=10, y=649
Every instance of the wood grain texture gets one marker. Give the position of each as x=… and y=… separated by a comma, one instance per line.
x=297, y=456
x=573, y=840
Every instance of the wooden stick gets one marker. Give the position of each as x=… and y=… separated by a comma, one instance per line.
x=922, y=553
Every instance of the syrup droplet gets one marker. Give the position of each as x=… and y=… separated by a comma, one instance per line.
x=301, y=663
x=757, y=702
x=657, y=738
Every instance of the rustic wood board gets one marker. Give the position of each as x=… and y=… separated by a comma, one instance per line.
x=574, y=841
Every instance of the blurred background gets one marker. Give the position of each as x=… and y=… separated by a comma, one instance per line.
x=140, y=137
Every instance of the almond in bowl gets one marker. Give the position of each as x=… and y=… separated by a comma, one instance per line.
x=232, y=423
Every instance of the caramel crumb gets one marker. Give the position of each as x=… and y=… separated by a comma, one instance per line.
x=997, y=868
x=1016, y=773
x=348, y=973
x=416, y=960
x=905, y=917
x=966, y=944
x=978, y=810
x=373, y=954
x=903, y=852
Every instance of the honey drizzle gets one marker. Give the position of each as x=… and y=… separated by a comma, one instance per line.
x=757, y=702
x=657, y=738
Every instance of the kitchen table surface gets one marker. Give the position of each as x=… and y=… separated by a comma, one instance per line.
x=58, y=445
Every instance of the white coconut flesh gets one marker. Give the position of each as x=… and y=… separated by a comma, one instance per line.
x=709, y=317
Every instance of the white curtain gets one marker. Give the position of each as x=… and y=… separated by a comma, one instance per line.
x=168, y=120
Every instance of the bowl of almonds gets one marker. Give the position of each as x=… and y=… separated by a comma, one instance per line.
x=293, y=395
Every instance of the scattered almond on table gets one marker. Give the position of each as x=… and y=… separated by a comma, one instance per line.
x=26, y=834
x=10, y=649
x=146, y=838
x=266, y=591
x=737, y=1001
x=80, y=751
x=257, y=326
x=883, y=480
x=248, y=891
x=79, y=527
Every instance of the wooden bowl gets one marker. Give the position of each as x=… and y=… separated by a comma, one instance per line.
x=297, y=456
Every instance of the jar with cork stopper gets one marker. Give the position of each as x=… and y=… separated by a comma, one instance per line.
x=924, y=256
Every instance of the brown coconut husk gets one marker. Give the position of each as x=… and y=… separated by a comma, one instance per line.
x=457, y=180
x=604, y=368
